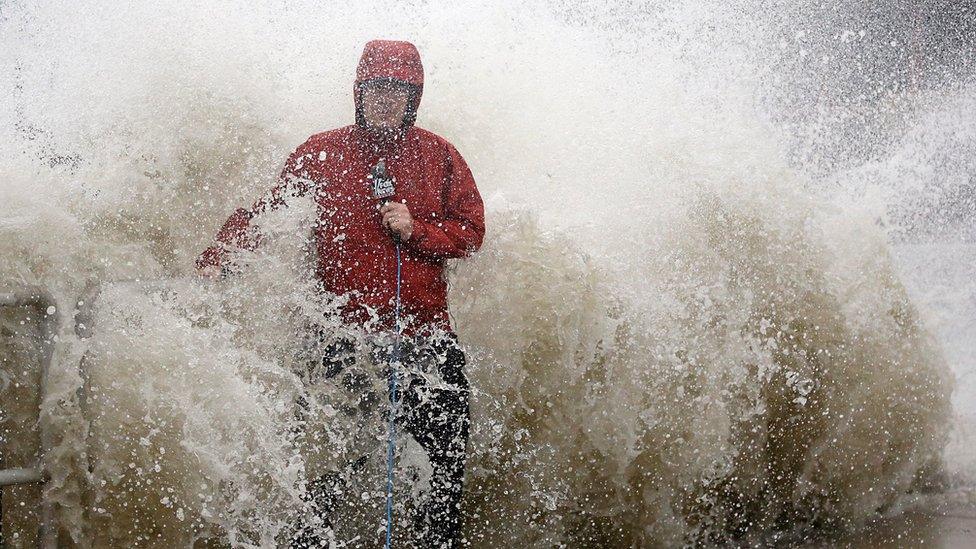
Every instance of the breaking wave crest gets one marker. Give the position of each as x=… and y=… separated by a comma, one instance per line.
x=705, y=354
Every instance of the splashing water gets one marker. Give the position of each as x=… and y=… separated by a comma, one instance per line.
x=680, y=329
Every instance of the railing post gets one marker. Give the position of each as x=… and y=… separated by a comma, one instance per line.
x=49, y=315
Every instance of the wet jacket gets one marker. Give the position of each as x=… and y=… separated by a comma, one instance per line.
x=356, y=255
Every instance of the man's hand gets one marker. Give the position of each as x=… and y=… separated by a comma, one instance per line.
x=397, y=218
x=210, y=271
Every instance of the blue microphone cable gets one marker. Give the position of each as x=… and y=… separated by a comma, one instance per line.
x=383, y=189
x=394, y=362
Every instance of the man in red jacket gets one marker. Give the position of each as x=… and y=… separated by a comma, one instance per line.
x=435, y=212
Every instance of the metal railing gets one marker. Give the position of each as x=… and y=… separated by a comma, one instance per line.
x=49, y=317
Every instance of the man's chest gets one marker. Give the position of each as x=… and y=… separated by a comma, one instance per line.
x=345, y=189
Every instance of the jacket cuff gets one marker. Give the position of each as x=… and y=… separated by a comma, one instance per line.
x=211, y=257
x=235, y=228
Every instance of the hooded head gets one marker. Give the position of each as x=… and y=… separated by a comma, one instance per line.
x=390, y=61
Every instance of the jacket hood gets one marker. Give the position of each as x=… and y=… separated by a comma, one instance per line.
x=390, y=60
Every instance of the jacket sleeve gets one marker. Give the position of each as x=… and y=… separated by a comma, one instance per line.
x=237, y=232
x=462, y=229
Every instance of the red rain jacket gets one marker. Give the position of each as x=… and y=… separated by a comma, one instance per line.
x=356, y=255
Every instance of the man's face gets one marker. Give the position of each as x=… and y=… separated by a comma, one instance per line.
x=384, y=105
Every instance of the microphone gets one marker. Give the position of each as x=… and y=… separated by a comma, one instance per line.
x=383, y=187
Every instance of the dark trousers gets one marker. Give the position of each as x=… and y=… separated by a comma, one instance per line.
x=437, y=417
